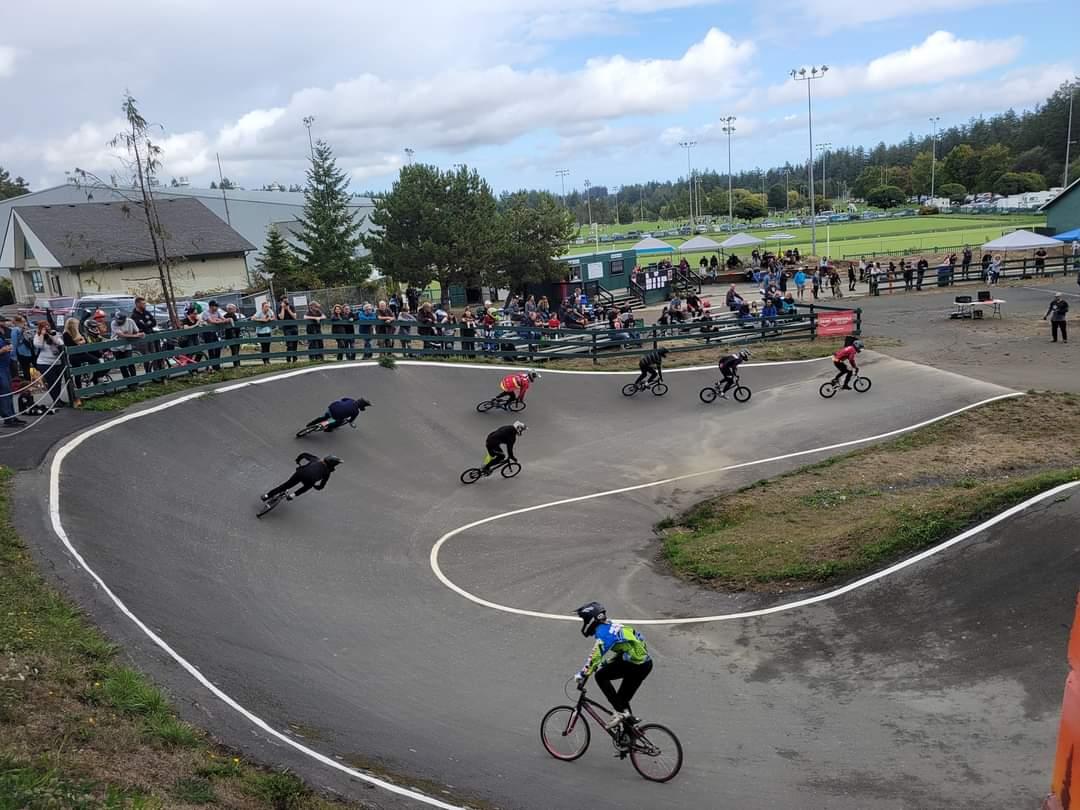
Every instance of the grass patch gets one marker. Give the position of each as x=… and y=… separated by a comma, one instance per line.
x=79, y=730
x=864, y=509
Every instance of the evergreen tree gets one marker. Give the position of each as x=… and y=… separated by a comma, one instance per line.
x=279, y=262
x=9, y=187
x=329, y=232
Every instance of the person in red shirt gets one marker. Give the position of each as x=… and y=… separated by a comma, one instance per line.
x=847, y=353
x=514, y=386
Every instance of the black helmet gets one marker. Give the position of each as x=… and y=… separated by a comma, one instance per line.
x=362, y=403
x=591, y=615
x=331, y=461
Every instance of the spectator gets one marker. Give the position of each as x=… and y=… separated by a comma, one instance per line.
x=834, y=282
x=366, y=321
x=788, y=307
x=986, y=259
x=732, y=299
x=768, y=314
x=875, y=279
x=386, y=324
x=995, y=270
x=7, y=407
x=287, y=313
x=21, y=338
x=1040, y=261
x=123, y=328
x=213, y=319
x=487, y=323
x=1057, y=311
x=468, y=328
x=544, y=308
x=693, y=304
x=193, y=323
x=965, y=261
x=906, y=271
x=920, y=271
x=800, y=283
x=72, y=337
x=314, y=318
x=232, y=318
x=350, y=329
x=714, y=267
x=851, y=277
x=146, y=323
x=265, y=319
x=337, y=327
x=1076, y=258
x=862, y=268
x=815, y=283
x=530, y=306
x=782, y=280
x=406, y=328
x=426, y=319
x=412, y=295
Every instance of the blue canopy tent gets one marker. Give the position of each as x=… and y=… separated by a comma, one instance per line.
x=1069, y=236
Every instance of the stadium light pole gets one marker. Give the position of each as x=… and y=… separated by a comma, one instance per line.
x=688, y=145
x=308, y=121
x=728, y=129
x=1068, y=131
x=823, y=148
x=808, y=76
x=617, y=220
x=588, y=204
x=409, y=152
x=933, y=154
x=562, y=174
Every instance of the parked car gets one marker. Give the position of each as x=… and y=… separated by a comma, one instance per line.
x=60, y=307
x=86, y=305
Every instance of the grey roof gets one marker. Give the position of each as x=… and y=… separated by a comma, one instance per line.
x=116, y=233
x=250, y=212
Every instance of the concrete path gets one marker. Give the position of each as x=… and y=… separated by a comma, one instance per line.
x=935, y=687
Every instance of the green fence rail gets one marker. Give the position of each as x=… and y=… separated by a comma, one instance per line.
x=162, y=356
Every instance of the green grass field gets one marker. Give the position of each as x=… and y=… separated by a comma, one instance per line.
x=863, y=237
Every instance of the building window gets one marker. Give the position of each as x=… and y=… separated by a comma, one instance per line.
x=36, y=281
x=575, y=273
x=26, y=251
x=616, y=267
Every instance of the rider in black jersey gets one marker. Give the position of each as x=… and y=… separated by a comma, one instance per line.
x=506, y=435
x=311, y=471
x=728, y=365
x=650, y=366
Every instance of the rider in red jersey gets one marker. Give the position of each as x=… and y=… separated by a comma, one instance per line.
x=847, y=353
x=514, y=386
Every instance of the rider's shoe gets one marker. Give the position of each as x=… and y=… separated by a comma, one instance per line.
x=616, y=720
x=723, y=395
x=845, y=387
x=289, y=496
x=265, y=496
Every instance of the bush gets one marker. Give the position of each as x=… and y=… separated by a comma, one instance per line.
x=7, y=292
x=928, y=210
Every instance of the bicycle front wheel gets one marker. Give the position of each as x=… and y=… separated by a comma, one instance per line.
x=828, y=389
x=656, y=752
x=510, y=469
x=565, y=733
x=304, y=431
x=470, y=475
x=484, y=407
x=708, y=395
x=516, y=405
x=659, y=389
x=861, y=384
x=742, y=393
x=629, y=389
x=267, y=506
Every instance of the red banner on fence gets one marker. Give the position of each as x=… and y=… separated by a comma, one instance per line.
x=836, y=323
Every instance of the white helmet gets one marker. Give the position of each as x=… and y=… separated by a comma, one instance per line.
x=533, y=376
x=519, y=427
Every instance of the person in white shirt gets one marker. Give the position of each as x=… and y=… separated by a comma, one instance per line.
x=49, y=346
x=124, y=328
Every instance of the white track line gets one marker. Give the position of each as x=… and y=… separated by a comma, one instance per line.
x=437, y=569
x=58, y=527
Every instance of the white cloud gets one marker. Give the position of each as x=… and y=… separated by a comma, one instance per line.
x=830, y=15
x=7, y=61
x=940, y=57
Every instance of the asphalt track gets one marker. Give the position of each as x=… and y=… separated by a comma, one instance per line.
x=936, y=686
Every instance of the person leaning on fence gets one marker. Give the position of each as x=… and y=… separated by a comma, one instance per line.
x=350, y=331
x=73, y=338
x=123, y=328
x=265, y=320
x=406, y=327
x=385, y=327
x=232, y=318
x=192, y=323
x=366, y=320
x=337, y=328
x=1057, y=312
x=146, y=323
x=468, y=330
x=285, y=312
x=313, y=319
x=212, y=319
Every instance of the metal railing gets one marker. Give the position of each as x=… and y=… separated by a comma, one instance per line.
x=176, y=353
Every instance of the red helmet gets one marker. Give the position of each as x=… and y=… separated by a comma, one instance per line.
x=99, y=315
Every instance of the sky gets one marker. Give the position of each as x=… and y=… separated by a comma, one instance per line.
x=518, y=89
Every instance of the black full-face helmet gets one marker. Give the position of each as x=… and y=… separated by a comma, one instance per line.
x=591, y=615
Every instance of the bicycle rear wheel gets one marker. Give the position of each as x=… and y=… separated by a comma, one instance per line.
x=742, y=393
x=656, y=752
x=565, y=733
x=470, y=475
x=861, y=384
x=629, y=389
x=659, y=389
x=827, y=389
x=269, y=505
x=708, y=395
x=516, y=405
x=484, y=407
x=510, y=469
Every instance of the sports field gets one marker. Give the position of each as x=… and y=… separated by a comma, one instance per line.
x=930, y=234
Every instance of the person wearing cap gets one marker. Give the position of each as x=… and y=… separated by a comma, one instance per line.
x=124, y=328
x=1056, y=312
x=213, y=318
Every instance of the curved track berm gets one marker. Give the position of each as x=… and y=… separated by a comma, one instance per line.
x=935, y=687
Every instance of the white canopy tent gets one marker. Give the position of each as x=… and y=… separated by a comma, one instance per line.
x=699, y=243
x=651, y=244
x=1022, y=240
x=741, y=240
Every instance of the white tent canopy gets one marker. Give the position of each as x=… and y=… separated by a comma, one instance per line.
x=700, y=243
x=651, y=244
x=1022, y=240
x=741, y=240
x=781, y=236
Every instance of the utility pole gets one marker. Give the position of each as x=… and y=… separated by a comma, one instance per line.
x=1068, y=132
x=641, y=202
x=588, y=204
x=562, y=173
x=617, y=220
x=728, y=129
x=823, y=147
x=808, y=76
x=933, y=154
x=688, y=145
x=787, y=191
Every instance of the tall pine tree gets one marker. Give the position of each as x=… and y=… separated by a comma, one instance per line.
x=280, y=263
x=329, y=232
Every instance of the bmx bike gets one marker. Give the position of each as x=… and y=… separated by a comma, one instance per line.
x=657, y=386
x=512, y=405
x=829, y=388
x=739, y=391
x=506, y=467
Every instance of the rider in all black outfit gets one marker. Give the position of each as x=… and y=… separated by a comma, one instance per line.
x=311, y=471
x=728, y=365
x=650, y=366
x=340, y=412
x=506, y=435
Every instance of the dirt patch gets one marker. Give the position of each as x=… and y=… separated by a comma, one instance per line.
x=854, y=512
